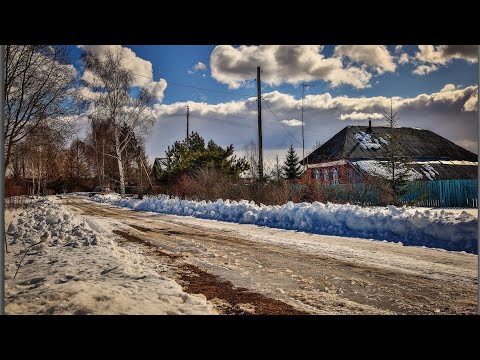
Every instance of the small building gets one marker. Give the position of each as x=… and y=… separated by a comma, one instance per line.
x=159, y=163
x=355, y=154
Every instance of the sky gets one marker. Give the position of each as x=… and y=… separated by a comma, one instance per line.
x=432, y=87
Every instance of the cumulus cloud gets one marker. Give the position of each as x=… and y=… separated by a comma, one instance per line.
x=448, y=87
x=290, y=64
x=403, y=59
x=141, y=68
x=376, y=56
x=429, y=57
x=425, y=69
x=472, y=103
x=398, y=48
x=361, y=116
x=199, y=66
x=292, y=122
x=322, y=118
x=442, y=54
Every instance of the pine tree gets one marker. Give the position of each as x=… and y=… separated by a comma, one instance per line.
x=186, y=159
x=396, y=163
x=292, y=168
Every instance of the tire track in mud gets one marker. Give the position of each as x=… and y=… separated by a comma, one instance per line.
x=338, y=285
x=233, y=300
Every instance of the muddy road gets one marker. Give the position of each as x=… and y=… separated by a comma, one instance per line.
x=246, y=269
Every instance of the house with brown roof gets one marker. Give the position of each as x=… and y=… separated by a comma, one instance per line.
x=355, y=154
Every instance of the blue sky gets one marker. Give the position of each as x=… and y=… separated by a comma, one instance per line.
x=366, y=76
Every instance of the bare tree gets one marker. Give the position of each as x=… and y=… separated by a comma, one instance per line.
x=39, y=88
x=251, y=155
x=45, y=149
x=115, y=102
x=276, y=172
x=76, y=164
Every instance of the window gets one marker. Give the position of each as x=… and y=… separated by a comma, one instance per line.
x=325, y=175
x=334, y=176
x=316, y=174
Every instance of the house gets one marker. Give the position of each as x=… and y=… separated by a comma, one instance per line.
x=159, y=163
x=354, y=155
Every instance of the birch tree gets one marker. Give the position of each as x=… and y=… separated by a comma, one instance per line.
x=117, y=103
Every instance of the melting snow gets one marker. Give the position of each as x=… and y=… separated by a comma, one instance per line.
x=375, y=168
x=75, y=267
x=366, y=141
x=429, y=171
x=447, y=230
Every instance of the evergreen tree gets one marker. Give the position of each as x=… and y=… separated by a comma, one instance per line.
x=397, y=164
x=183, y=158
x=292, y=168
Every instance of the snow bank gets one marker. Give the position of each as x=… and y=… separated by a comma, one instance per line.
x=75, y=267
x=436, y=229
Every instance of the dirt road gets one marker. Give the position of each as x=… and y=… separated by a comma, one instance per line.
x=250, y=269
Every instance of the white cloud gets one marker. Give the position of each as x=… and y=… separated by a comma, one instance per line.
x=398, y=48
x=376, y=56
x=444, y=112
x=292, y=122
x=204, y=75
x=472, y=103
x=290, y=64
x=425, y=69
x=141, y=68
x=430, y=58
x=403, y=59
x=442, y=54
x=448, y=87
x=199, y=66
x=361, y=116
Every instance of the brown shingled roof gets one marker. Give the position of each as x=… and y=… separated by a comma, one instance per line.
x=418, y=144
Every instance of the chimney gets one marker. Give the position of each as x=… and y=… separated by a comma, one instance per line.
x=369, y=125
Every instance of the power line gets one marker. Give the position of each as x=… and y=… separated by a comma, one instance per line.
x=192, y=86
x=221, y=121
x=288, y=132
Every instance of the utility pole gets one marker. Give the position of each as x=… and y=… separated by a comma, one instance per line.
x=260, y=143
x=3, y=250
x=188, y=116
x=303, y=131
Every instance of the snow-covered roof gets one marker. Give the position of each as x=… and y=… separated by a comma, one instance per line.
x=378, y=168
x=423, y=170
x=360, y=142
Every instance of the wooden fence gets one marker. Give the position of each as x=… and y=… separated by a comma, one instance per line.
x=443, y=193
x=436, y=193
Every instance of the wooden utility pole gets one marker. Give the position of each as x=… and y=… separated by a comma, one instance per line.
x=260, y=143
x=2, y=186
x=188, y=116
x=303, y=131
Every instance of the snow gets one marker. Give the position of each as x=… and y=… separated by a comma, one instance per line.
x=366, y=141
x=375, y=168
x=445, y=230
x=429, y=171
x=382, y=140
x=76, y=267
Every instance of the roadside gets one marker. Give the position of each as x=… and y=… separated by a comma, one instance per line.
x=312, y=273
x=70, y=265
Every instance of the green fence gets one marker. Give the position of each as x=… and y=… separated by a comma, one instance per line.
x=437, y=193
x=443, y=193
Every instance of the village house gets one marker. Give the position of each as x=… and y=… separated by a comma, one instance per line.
x=354, y=154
